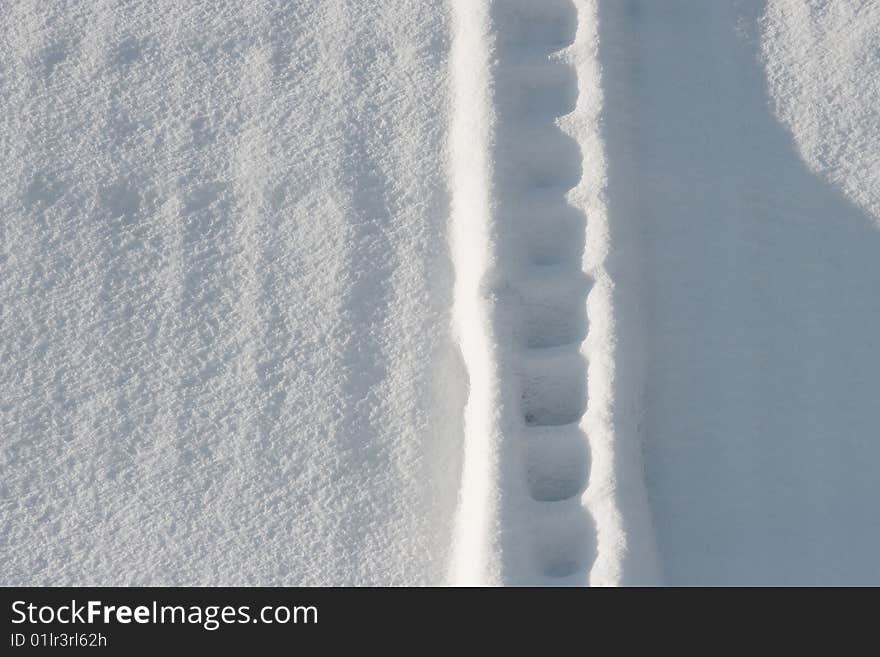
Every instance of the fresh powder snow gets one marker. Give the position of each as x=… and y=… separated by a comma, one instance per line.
x=226, y=293
x=465, y=292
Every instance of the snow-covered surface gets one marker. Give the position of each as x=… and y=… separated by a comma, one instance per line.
x=760, y=295
x=473, y=292
x=823, y=68
x=550, y=476
x=226, y=293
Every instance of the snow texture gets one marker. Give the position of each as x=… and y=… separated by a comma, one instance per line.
x=552, y=490
x=226, y=355
x=759, y=297
x=484, y=292
x=823, y=68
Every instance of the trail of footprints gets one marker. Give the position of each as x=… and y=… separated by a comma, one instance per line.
x=536, y=165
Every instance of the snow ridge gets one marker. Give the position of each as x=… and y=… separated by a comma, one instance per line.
x=473, y=560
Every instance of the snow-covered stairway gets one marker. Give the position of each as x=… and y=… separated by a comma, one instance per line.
x=547, y=535
x=538, y=502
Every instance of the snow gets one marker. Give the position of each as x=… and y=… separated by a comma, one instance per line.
x=823, y=70
x=473, y=558
x=226, y=354
x=497, y=292
x=759, y=296
x=545, y=451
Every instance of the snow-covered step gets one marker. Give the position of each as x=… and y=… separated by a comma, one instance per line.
x=544, y=231
x=554, y=388
x=563, y=541
x=557, y=461
x=536, y=90
x=554, y=312
x=554, y=279
x=536, y=159
x=528, y=28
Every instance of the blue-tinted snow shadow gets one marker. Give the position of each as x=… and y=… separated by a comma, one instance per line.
x=761, y=317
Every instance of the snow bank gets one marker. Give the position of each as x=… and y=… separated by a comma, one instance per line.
x=824, y=76
x=475, y=556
